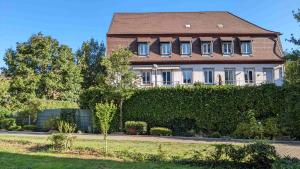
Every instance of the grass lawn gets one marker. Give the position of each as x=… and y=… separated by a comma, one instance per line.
x=25, y=153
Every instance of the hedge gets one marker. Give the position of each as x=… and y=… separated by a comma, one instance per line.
x=211, y=108
x=217, y=108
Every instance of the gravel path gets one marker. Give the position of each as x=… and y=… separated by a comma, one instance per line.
x=287, y=148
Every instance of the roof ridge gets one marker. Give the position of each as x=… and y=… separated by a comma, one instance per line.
x=171, y=12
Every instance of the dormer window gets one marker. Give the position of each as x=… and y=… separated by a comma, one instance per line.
x=143, y=49
x=227, y=48
x=185, y=48
x=206, y=48
x=246, y=48
x=165, y=49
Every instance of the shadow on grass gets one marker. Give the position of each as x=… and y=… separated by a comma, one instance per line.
x=27, y=161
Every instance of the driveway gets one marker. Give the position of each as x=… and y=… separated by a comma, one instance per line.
x=284, y=148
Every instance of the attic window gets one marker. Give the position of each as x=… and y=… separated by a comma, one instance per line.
x=187, y=25
x=220, y=26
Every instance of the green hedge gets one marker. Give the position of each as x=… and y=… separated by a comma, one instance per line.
x=206, y=108
x=217, y=108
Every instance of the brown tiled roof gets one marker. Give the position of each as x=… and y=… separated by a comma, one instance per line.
x=183, y=23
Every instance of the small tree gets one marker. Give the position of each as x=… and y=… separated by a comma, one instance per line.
x=105, y=113
x=119, y=79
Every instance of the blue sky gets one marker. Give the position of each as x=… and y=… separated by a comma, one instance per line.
x=74, y=21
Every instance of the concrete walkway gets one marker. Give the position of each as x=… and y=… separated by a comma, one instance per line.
x=284, y=148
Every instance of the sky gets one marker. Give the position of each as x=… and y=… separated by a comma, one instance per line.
x=73, y=21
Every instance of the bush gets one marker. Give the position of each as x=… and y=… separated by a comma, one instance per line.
x=15, y=128
x=236, y=153
x=7, y=123
x=30, y=127
x=135, y=127
x=4, y=113
x=261, y=154
x=271, y=129
x=160, y=131
x=51, y=123
x=66, y=127
x=215, y=135
x=242, y=130
x=62, y=141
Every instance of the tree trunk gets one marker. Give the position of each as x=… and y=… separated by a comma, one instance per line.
x=121, y=115
x=105, y=140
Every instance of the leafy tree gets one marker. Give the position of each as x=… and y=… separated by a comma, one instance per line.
x=119, y=79
x=105, y=113
x=42, y=68
x=89, y=58
x=293, y=59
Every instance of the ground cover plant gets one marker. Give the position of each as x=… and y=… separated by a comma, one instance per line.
x=136, y=154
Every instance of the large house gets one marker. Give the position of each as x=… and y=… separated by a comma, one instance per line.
x=182, y=48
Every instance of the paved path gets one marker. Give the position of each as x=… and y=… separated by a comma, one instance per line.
x=284, y=148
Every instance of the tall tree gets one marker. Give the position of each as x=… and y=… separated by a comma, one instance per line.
x=89, y=57
x=292, y=64
x=119, y=78
x=42, y=68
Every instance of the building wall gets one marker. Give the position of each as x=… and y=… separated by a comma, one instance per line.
x=198, y=74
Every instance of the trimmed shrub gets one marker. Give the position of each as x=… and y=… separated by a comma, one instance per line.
x=209, y=108
x=7, y=123
x=15, y=128
x=160, y=131
x=236, y=153
x=30, y=127
x=135, y=127
x=215, y=135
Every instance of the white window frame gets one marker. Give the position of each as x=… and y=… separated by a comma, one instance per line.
x=246, y=48
x=147, y=73
x=208, y=45
x=246, y=72
x=184, y=73
x=182, y=51
x=230, y=82
x=227, y=43
x=206, y=75
x=166, y=83
x=143, y=52
x=162, y=53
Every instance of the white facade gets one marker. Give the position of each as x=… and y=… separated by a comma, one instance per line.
x=215, y=73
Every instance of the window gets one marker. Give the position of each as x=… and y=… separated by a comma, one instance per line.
x=143, y=49
x=166, y=77
x=227, y=48
x=229, y=76
x=187, y=76
x=268, y=74
x=208, y=76
x=185, y=48
x=146, y=77
x=206, y=48
x=249, y=75
x=165, y=49
x=246, y=48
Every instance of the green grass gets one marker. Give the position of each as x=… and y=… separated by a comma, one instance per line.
x=21, y=153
